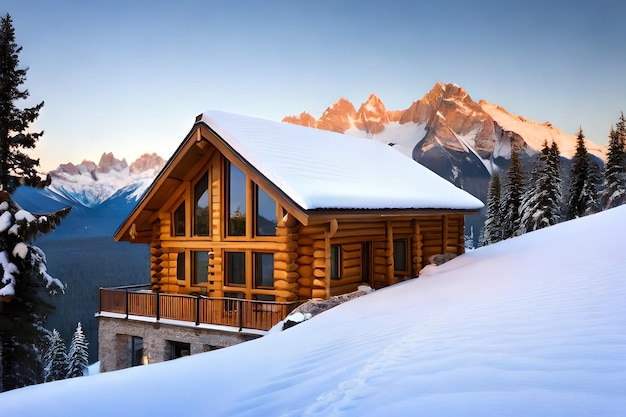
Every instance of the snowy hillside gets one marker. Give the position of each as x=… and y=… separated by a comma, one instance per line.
x=532, y=326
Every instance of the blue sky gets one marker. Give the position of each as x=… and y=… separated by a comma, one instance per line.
x=129, y=77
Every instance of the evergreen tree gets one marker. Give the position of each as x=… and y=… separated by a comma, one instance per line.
x=23, y=309
x=78, y=356
x=492, y=231
x=582, y=189
x=15, y=165
x=614, y=193
x=55, y=358
x=512, y=197
x=541, y=204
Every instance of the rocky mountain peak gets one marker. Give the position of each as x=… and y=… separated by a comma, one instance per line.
x=338, y=117
x=147, y=162
x=109, y=162
x=372, y=115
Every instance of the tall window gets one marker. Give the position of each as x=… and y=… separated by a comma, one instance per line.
x=236, y=199
x=265, y=216
x=200, y=267
x=400, y=255
x=264, y=270
x=201, y=206
x=236, y=269
x=179, y=220
x=335, y=262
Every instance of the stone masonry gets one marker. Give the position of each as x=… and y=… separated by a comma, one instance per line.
x=115, y=338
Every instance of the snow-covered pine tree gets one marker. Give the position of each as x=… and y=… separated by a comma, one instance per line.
x=581, y=190
x=78, y=355
x=492, y=231
x=511, y=198
x=24, y=278
x=614, y=193
x=55, y=358
x=541, y=204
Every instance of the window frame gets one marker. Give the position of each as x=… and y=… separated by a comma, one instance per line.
x=228, y=228
x=256, y=190
x=176, y=220
x=335, y=262
x=407, y=267
x=195, y=198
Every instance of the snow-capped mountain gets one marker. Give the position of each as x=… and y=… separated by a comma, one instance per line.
x=460, y=139
x=101, y=195
x=90, y=184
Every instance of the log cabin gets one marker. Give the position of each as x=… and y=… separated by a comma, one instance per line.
x=250, y=217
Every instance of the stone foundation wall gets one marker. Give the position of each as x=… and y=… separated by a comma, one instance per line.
x=115, y=341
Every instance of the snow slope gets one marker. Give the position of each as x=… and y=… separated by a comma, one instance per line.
x=532, y=326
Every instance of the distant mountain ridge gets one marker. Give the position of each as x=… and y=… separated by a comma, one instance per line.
x=101, y=194
x=91, y=184
x=462, y=140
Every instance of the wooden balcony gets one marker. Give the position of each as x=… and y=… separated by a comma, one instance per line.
x=233, y=312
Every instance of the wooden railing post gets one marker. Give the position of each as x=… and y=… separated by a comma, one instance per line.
x=127, y=302
x=240, y=313
x=157, y=306
x=198, y=310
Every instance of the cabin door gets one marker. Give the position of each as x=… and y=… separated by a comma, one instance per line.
x=367, y=267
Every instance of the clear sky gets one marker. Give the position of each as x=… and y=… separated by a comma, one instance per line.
x=129, y=77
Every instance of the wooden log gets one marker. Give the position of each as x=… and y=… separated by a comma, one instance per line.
x=319, y=293
x=305, y=240
x=305, y=260
x=305, y=282
x=305, y=270
x=280, y=266
x=305, y=250
x=287, y=286
x=319, y=263
x=319, y=254
x=319, y=244
x=319, y=283
x=319, y=273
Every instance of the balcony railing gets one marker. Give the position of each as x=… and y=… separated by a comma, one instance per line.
x=234, y=312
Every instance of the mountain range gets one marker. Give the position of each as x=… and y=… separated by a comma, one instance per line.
x=447, y=131
x=101, y=194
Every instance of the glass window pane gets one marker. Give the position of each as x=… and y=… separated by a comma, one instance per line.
x=179, y=220
x=201, y=206
x=266, y=220
x=236, y=201
x=236, y=268
x=264, y=270
x=200, y=267
x=399, y=255
x=180, y=266
x=335, y=262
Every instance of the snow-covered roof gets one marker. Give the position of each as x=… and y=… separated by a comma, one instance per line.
x=318, y=169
